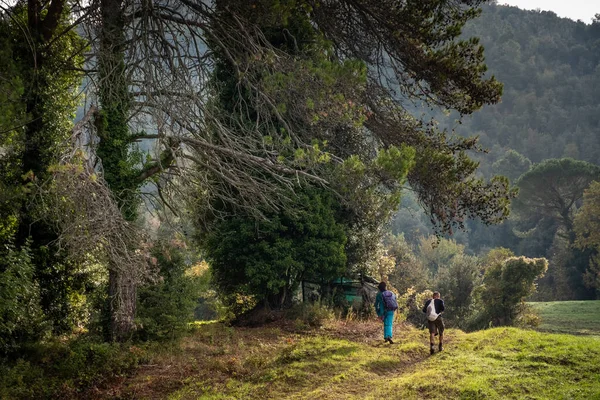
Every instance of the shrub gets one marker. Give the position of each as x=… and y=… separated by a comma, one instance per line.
x=58, y=369
x=309, y=315
x=456, y=283
x=410, y=305
x=21, y=317
x=506, y=284
x=167, y=306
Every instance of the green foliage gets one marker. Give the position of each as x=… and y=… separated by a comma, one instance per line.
x=454, y=194
x=372, y=192
x=12, y=113
x=550, y=194
x=506, y=284
x=587, y=231
x=549, y=68
x=319, y=80
x=167, y=306
x=550, y=109
x=456, y=282
x=21, y=318
x=435, y=253
x=59, y=369
x=51, y=65
x=408, y=271
x=42, y=67
x=552, y=189
x=266, y=260
x=410, y=304
x=512, y=165
x=309, y=315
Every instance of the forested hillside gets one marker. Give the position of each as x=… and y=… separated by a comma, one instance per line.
x=550, y=111
x=550, y=68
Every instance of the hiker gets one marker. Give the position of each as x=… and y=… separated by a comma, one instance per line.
x=433, y=310
x=385, y=305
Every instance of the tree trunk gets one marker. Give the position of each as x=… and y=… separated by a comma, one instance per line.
x=113, y=150
x=122, y=294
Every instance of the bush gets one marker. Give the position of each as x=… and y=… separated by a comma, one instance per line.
x=309, y=315
x=410, y=306
x=506, y=284
x=56, y=369
x=456, y=283
x=21, y=317
x=166, y=307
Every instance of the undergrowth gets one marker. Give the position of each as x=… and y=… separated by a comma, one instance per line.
x=61, y=369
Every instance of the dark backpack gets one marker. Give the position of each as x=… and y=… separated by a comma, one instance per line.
x=389, y=301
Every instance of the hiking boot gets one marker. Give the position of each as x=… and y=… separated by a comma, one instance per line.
x=390, y=341
x=431, y=350
x=440, y=347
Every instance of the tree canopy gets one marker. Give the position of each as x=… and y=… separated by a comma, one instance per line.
x=553, y=189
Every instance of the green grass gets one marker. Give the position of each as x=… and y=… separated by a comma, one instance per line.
x=349, y=361
x=575, y=317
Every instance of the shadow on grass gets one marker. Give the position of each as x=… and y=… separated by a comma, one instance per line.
x=389, y=366
x=293, y=354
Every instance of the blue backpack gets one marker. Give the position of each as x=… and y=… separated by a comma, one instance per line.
x=389, y=301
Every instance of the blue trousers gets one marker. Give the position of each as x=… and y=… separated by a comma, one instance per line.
x=388, y=320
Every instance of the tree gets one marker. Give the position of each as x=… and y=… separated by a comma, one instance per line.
x=587, y=231
x=456, y=281
x=114, y=151
x=408, y=59
x=436, y=254
x=422, y=62
x=512, y=165
x=277, y=57
x=506, y=283
x=44, y=61
x=553, y=189
x=267, y=52
x=266, y=260
x=12, y=112
x=408, y=271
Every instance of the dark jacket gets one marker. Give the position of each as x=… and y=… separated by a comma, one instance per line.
x=439, y=306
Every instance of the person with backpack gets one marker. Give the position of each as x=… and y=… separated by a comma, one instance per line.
x=385, y=306
x=433, y=310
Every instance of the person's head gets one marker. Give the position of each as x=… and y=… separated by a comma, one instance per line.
x=436, y=295
x=382, y=286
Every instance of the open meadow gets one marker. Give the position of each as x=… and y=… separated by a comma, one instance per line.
x=349, y=361
x=575, y=317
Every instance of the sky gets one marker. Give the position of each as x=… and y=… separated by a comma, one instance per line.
x=574, y=9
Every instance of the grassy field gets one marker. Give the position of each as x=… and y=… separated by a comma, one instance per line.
x=576, y=317
x=349, y=361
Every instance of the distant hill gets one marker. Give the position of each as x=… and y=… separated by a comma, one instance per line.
x=550, y=68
